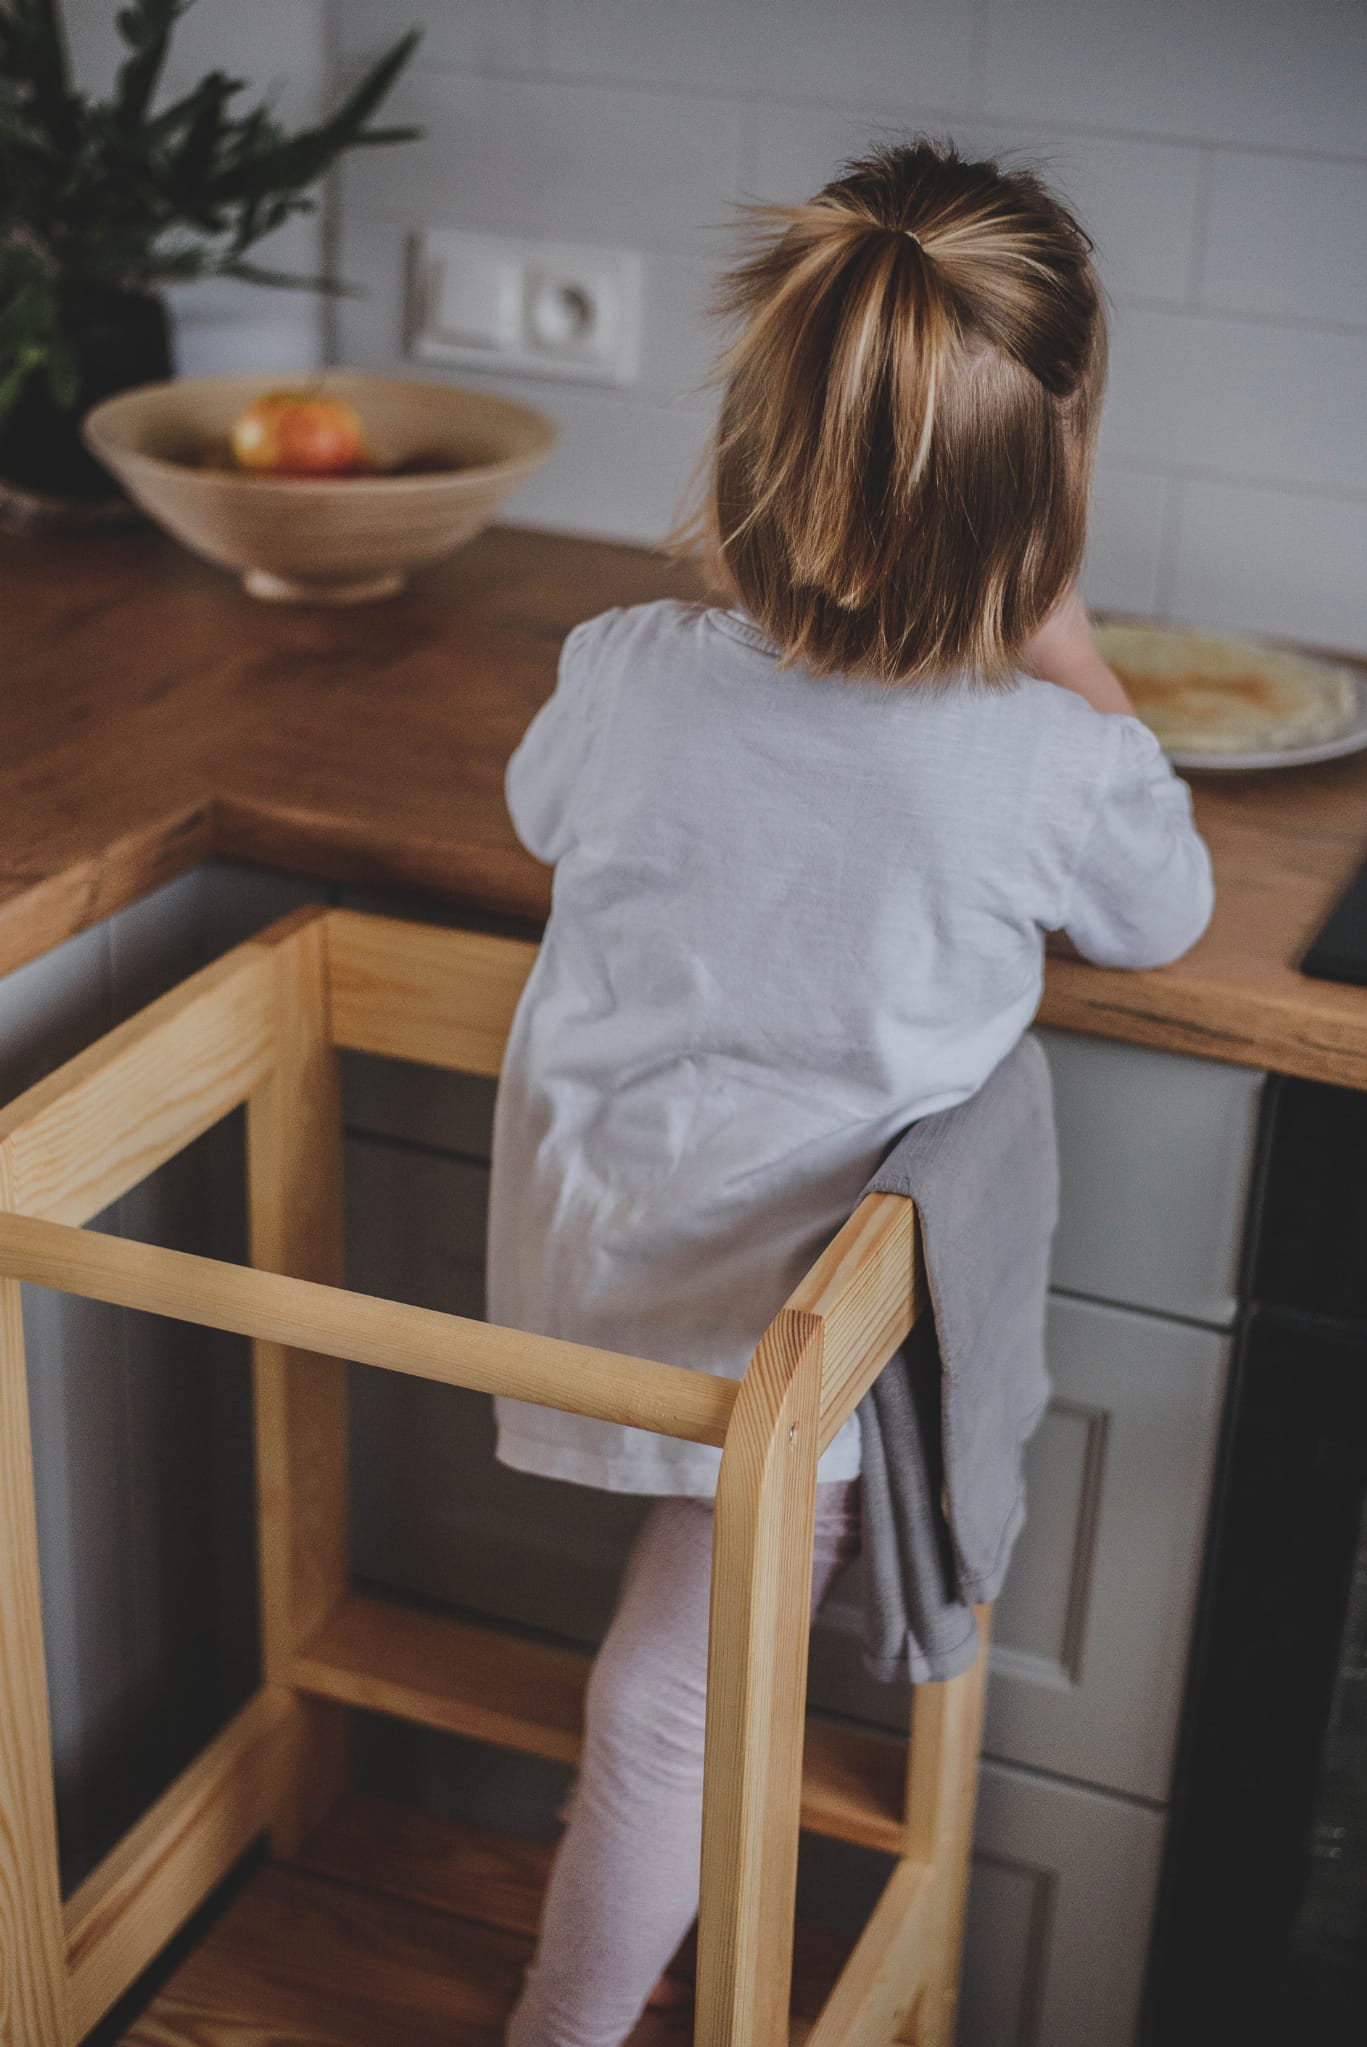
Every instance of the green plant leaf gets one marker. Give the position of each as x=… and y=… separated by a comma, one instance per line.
x=301, y=158
x=40, y=48
x=145, y=28
x=109, y=191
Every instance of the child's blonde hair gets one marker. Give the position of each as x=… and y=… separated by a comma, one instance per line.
x=897, y=486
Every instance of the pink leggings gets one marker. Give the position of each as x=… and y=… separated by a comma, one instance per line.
x=623, y=1888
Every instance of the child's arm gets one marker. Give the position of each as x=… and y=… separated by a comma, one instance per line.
x=1064, y=651
x=1141, y=891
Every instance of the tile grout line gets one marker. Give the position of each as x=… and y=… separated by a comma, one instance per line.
x=504, y=74
x=1200, y=231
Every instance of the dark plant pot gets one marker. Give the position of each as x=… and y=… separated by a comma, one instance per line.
x=119, y=339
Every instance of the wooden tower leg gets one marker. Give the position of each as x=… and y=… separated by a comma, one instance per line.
x=294, y=1178
x=756, y=1691
x=33, y=1986
x=942, y=1783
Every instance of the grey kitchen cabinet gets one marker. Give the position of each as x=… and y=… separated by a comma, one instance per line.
x=1090, y=1632
x=1157, y=1156
x=1061, y=1895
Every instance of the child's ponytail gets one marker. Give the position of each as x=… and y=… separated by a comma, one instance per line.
x=898, y=482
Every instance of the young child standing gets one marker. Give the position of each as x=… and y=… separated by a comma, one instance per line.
x=807, y=843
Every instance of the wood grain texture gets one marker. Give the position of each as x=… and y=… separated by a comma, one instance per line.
x=867, y=1288
x=155, y=716
x=495, y=1686
x=942, y=1791
x=294, y=1225
x=34, y=2005
x=408, y=991
x=299, y=1961
x=109, y=1117
x=422, y=1342
x=144, y=1890
x=757, y=1689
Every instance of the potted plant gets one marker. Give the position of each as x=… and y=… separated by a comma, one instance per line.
x=105, y=202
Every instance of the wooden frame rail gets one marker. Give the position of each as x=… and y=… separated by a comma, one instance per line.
x=264, y=1026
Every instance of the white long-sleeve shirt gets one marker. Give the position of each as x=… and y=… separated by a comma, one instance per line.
x=790, y=914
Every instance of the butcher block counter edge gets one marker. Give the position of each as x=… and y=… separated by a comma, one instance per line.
x=153, y=717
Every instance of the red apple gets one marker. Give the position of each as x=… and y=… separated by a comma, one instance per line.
x=298, y=433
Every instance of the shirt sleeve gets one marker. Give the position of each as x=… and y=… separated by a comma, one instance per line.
x=1141, y=890
x=542, y=774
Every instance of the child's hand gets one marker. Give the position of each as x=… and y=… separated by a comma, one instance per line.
x=1064, y=651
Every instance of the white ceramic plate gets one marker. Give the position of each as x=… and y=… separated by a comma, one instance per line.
x=1354, y=740
x=1304, y=755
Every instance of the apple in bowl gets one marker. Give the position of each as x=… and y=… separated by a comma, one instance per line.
x=299, y=433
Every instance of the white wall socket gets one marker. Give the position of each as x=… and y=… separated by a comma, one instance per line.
x=538, y=309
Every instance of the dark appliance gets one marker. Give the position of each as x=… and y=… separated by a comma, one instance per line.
x=1261, y=1933
x=1338, y=951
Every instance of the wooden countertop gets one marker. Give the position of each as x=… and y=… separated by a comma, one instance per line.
x=151, y=716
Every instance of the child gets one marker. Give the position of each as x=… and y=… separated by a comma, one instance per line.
x=806, y=847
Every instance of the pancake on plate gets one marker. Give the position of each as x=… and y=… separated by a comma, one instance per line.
x=1202, y=693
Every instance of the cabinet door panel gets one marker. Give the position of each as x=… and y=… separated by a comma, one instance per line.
x=1156, y=1153
x=1058, y=1914
x=1091, y=1630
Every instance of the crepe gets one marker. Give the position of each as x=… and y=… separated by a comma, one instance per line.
x=1203, y=693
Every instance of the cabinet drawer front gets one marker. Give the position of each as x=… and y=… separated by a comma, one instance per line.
x=1091, y=1631
x=1156, y=1152
x=1058, y=1914
x=419, y=1105
x=1093, y=1625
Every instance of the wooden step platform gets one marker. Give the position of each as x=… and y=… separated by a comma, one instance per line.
x=395, y=1929
x=496, y=1686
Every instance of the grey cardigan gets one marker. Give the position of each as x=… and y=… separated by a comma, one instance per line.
x=944, y=1426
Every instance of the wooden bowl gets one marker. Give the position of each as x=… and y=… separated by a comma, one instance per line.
x=458, y=453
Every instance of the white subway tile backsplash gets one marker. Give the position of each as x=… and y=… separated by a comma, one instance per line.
x=1125, y=540
x=583, y=161
x=453, y=31
x=1274, y=404
x=620, y=469
x=1137, y=199
x=1273, y=562
x=883, y=50
x=1287, y=236
x=706, y=43
x=1251, y=72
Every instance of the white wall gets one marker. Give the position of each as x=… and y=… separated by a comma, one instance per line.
x=280, y=48
x=1216, y=148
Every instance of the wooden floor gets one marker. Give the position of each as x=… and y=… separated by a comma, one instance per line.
x=394, y=1929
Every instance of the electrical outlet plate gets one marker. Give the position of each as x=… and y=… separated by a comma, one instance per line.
x=532, y=309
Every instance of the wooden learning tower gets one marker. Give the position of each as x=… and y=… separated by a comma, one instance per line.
x=263, y=1027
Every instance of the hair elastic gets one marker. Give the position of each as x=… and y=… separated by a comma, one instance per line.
x=912, y=236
